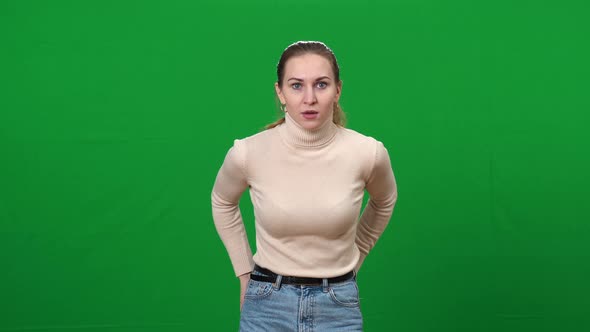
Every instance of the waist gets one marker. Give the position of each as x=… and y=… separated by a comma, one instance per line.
x=266, y=275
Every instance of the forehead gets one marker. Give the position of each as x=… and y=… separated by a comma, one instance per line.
x=308, y=66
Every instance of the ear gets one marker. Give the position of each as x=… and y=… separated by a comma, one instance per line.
x=280, y=93
x=338, y=91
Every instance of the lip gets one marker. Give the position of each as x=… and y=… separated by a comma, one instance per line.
x=310, y=115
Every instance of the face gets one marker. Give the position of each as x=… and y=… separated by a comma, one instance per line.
x=309, y=90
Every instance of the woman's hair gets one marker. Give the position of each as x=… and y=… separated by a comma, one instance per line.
x=307, y=47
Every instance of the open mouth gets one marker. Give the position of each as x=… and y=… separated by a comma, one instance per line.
x=310, y=115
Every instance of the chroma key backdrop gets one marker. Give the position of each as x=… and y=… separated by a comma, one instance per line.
x=115, y=117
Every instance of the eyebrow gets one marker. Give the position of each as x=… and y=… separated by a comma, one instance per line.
x=317, y=79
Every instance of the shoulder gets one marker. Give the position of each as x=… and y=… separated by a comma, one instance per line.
x=366, y=149
x=254, y=144
x=354, y=135
x=259, y=137
x=366, y=143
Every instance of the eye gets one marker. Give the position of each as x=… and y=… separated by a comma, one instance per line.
x=296, y=85
x=322, y=85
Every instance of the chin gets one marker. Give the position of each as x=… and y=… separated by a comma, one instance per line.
x=312, y=125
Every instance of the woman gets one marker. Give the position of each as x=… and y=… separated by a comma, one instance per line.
x=306, y=174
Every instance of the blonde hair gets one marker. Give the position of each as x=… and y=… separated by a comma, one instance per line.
x=305, y=47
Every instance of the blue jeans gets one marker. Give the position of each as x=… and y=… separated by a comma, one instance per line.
x=277, y=307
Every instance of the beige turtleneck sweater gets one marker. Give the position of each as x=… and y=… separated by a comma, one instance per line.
x=307, y=189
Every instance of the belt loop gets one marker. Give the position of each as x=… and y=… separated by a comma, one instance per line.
x=325, y=285
x=278, y=281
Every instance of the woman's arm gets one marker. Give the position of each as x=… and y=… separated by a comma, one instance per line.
x=382, y=189
x=244, y=279
x=230, y=183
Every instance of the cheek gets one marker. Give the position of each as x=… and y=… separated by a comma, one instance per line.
x=328, y=101
x=330, y=96
x=295, y=102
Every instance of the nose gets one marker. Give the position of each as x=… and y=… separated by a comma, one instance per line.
x=309, y=97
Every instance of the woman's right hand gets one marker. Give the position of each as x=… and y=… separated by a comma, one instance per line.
x=244, y=279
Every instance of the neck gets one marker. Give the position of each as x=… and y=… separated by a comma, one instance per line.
x=294, y=134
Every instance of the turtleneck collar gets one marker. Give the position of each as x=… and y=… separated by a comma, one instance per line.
x=296, y=135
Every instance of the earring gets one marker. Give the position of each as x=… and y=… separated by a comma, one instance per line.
x=284, y=108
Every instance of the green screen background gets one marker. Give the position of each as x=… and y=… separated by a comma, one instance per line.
x=116, y=115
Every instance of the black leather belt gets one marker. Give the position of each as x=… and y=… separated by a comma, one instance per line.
x=270, y=276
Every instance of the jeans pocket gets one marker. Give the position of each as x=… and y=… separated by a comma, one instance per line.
x=258, y=289
x=345, y=294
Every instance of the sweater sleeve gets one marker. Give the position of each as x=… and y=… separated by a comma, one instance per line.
x=230, y=183
x=382, y=190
